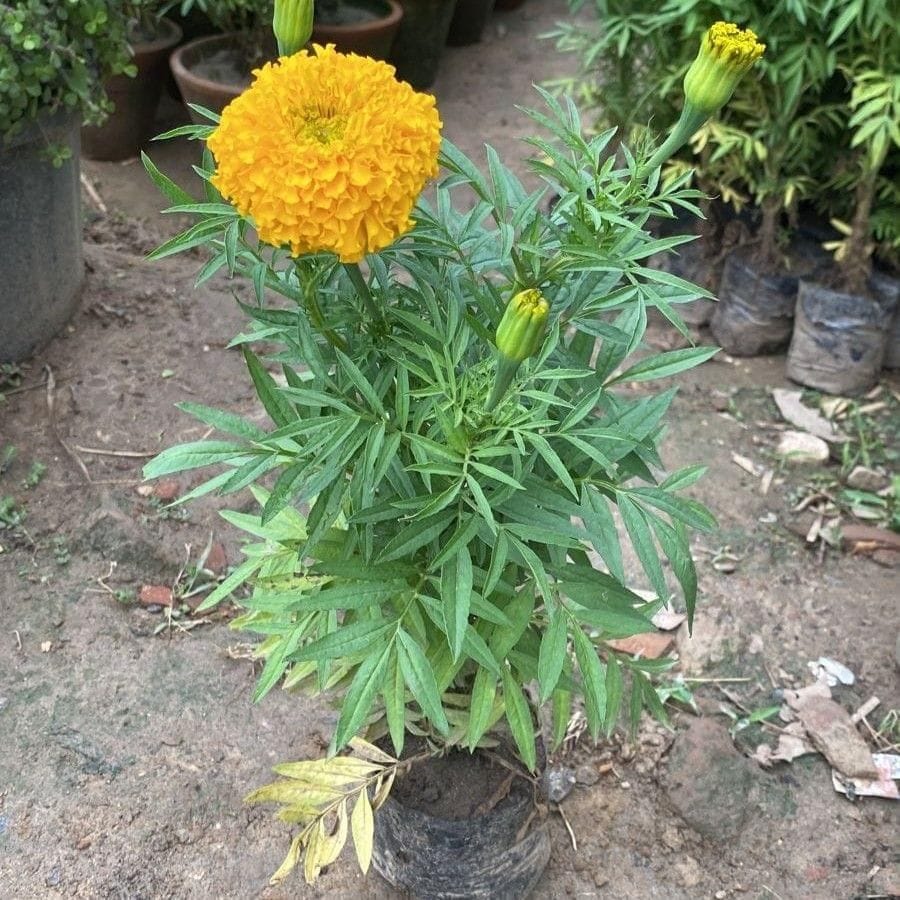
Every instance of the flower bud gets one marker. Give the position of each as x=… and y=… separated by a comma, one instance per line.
x=521, y=330
x=726, y=53
x=292, y=24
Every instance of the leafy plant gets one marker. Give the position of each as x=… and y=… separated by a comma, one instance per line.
x=455, y=453
x=55, y=56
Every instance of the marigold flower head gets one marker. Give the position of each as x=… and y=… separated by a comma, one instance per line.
x=327, y=151
x=726, y=53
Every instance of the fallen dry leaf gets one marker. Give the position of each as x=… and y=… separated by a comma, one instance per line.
x=800, y=447
x=804, y=418
x=651, y=645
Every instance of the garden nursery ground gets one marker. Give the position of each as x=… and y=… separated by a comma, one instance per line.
x=127, y=733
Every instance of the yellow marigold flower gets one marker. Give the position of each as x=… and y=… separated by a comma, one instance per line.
x=726, y=53
x=327, y=151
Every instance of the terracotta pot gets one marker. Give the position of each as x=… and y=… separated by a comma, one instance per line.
x=468, y=22
x=210, y=72
x=130, y=125
x=372, y=37
x=41, y=266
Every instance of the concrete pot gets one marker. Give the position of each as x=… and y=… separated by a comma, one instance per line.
x=41, y=266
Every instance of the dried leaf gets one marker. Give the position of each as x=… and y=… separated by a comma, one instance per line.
x=311, y=866
x=804, y=418
x=383, y=788
x=362, y=825
x=371, y=752
x=333, y=843
x=290, y=861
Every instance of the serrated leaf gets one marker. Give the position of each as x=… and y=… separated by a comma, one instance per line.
x=346, y=641
x=484, y=690
x=456, y=597
x=279, y=410
x=193, y=455
x=662, y=365
x=360, y=695
x=593, y=682
x=560, y=715
x=394, y=693
x=614, y=689
x=552, y=655
x=419, y=675
x=518, y=715
x=642, y=541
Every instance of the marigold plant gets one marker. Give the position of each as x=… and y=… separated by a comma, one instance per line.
x=454, y=455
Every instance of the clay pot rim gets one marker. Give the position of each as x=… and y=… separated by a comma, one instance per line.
x=170, y=35
x=388, y=21
x=182, y=71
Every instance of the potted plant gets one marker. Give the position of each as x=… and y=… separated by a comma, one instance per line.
x=419, y=44
x=211, y=71
x=367, y=27
x=134, y=95
x=469, y=20
x=61, y=55
x=842, y=327
x=436, y=542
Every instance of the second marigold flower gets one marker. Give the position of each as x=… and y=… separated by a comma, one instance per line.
x=327, y=151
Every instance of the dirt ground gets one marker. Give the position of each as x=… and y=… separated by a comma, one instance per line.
x=124, y=753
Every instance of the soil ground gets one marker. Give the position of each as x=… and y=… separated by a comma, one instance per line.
x=124, y=753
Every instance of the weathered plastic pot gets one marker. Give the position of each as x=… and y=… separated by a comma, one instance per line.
x=892, y=344
x=499, y=855
x=130, y=125
x=755, y=313
x=419, y=44
x=41, y=265
x=371, y=36
x=469, y=21
x=839, y=338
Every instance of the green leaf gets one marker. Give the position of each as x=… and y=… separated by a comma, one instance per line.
x=194, y=455
x=550, y=456
x=481, y=705
x=614, y=689
x=165, y=184
x=419, y=675
x=604, y=534
x=362, y=385
x=458, y=540
x=224, y=421
x=662, y=365
x=279, y=410
x=519, y=611
x=593, y=682
x=519, y=717
x=642, y=541
x=347, y=640
x=359, y=697
x=676, y=546
x=456, y=595
x=560, y=715
x=394, y=693
x=416, y=535
x=552, y=656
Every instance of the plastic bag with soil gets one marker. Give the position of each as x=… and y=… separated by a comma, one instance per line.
x=459, y=826
x=755, y=313
x=692, y=263
x=892, y=348
x=839, y=339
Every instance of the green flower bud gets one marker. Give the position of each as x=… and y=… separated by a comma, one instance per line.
x=521, y=330
x=726, y=53
x=292, y=24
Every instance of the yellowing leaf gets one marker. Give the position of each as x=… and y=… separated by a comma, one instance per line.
x=333, y=843
x=311, y=865
x=290, y=861
x=383, y=788
x=370, y=751
x=362, y=825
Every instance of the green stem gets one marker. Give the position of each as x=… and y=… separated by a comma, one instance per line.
x=362, y=289
x=314, y=311
x=690, y=120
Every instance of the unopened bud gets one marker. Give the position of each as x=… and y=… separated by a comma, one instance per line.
x=521, y=330
x=292, y=24
x=726, y=53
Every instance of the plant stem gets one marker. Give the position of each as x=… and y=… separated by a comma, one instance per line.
x=314, y=311
x=362, y=289
x=506, y=371
x=691, y=119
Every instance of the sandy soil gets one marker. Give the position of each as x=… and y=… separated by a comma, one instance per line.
x=124, y=754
